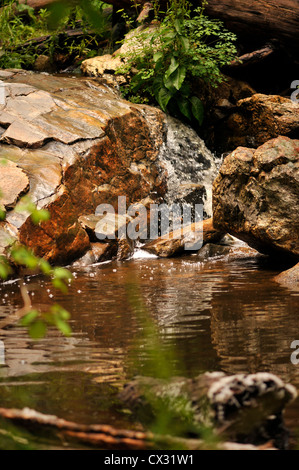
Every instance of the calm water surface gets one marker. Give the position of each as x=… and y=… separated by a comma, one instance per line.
x=225, y=314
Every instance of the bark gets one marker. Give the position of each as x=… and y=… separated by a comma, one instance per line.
x=262, y=19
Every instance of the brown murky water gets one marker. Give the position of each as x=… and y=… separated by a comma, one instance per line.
x=225, y=314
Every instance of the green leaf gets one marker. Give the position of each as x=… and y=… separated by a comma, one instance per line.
x=2, y=213
x=62, y=273
x=58, y=284
x=169, y=85
x=41, y=215
x=178, y=77
x=164, y=96
x=38, y=329
x=29, y=318
x=185, y=107
x=178, y=26
x=157, y=56
x=63, y=327
x=197, y=109
x=174, y=64
x=185, y=43
x=45, y=267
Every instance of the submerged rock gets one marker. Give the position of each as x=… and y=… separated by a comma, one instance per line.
x=245, y=408
x=80, y=145
x=256, y=197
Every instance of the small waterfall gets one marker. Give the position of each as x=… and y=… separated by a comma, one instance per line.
x=190, y=165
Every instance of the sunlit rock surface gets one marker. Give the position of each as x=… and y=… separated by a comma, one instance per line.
x=80, y=145
x=289, y=278
x=257, y=119
x=256, y=197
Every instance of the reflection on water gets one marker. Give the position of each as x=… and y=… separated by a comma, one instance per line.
x=225, y=314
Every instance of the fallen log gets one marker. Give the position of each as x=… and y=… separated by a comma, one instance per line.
x=108, y=437
x=251, y=58
x=258, y=19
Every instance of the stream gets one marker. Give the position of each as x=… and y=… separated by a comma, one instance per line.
x=224, y=314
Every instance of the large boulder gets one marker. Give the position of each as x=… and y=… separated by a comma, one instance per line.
x=72, y=144
x=256, y=119
x=256, y=196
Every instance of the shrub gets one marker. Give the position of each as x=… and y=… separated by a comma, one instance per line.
x=184, y=46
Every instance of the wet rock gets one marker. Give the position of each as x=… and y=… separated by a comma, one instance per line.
x=289, y=278
x=13, y=183
x=176, y=242
x=258, y=119
x=246, y=408
x=8, y=234
x=98, y=253
x=81, y=145
x=211, y=250
x=111, y=228
x=256, y=197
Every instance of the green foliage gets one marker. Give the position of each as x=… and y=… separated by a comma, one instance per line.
x=20, y=24
x=166, y=59
x=37, y=322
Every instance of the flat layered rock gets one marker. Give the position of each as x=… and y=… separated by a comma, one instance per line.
x=13, y=183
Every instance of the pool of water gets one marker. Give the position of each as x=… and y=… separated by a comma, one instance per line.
x=223, y=314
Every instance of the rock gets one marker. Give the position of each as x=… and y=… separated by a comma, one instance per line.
x=219, y=104
x=107, y=228
x=258, y=119
x=289, y=278
x=98, y=253
x=43, y=63
x=211, y=250
x=256, y=197
x=247, y=408
x=80, y=145
x=98, y=66
x=175, y=244
x=191, y=167
x=8, y=234
x=13, y=183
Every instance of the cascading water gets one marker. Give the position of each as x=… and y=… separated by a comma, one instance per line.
x=190, y=166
